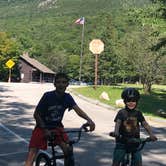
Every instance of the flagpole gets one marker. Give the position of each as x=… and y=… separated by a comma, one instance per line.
x=81, y=54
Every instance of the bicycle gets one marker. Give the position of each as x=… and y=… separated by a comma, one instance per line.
x=132, y=146
x=57, y=157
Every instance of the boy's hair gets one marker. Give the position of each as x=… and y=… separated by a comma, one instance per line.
x=61, y=75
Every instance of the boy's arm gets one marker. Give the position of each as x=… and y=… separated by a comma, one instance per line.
x=83, y=115
x=149, y=130
x=117, y=126
x=40, y=123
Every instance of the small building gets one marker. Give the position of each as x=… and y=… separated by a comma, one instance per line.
x=32, y=70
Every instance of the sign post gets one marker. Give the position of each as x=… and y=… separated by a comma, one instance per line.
x=10, y=64
x=96, y=46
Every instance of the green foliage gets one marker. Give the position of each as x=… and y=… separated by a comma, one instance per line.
x=9, y=49
x=148, y=104
x=49, y=34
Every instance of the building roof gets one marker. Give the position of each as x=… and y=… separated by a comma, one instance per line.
x=36, y=64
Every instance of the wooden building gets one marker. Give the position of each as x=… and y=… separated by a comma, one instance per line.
x=32, y=70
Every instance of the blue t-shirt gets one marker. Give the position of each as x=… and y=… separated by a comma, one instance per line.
x=51, y=108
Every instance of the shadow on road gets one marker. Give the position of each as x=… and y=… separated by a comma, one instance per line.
x=92, y=150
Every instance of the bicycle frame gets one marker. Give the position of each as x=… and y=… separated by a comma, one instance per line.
x=129, y=156
x=52, y=161
x=128, y=159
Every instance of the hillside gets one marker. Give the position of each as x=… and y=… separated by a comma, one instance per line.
x=46, y=29
x=18, y=8
x=33, y=22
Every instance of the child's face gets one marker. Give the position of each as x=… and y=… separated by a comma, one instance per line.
x=131, y=104
x=61, y=85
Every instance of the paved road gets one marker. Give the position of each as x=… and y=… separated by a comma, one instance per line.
x=18, y=101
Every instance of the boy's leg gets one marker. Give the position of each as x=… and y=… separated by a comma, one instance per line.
x=138, y=159
x=118, y=154
x=31, y=156
x=37, y=141
x=62, y=140
x=68, y=152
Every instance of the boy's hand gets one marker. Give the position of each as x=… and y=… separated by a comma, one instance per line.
x=114, y=134
x=91, y=125
x=153, y=137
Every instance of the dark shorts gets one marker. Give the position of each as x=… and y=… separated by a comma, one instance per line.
x=39, y=141
x=120, y=151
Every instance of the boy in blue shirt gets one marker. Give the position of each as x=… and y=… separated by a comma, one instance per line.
x=49, y=114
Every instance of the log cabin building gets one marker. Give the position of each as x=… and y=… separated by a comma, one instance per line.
x=32, y=70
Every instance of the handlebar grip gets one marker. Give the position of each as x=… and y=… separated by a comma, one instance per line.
x=112, y=134
x=148, y=139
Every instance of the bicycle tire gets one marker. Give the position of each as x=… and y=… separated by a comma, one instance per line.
x=43, y=160
x=123, y=163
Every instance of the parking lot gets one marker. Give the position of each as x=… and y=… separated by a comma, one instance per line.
x=18, y=102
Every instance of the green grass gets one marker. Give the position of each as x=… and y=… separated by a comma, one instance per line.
x=148, y=104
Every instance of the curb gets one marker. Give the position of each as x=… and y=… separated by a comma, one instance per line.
x=93, y=101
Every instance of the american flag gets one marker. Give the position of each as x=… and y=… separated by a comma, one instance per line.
x=80, y=21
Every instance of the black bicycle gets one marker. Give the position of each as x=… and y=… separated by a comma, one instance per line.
x=57, y=156
x=132, y=145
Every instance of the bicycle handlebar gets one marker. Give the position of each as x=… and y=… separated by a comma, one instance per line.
x=132, y=140
x=85, y=127
x=140, y=141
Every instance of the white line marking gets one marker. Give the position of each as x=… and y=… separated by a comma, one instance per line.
x=6, y=154
x=21, y=139
x=16, y=135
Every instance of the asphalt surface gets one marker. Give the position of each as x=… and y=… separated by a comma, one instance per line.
x=18, y=101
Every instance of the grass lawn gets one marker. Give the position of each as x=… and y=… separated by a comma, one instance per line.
x=149, y=104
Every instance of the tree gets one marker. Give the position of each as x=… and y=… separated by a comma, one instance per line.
x=146, y=62
x=9, y=49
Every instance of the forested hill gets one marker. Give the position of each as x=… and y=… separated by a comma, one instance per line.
x=49, y=24
x=46, y=29
x=13, y=8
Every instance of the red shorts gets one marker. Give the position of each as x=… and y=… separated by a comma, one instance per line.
x=39, y=141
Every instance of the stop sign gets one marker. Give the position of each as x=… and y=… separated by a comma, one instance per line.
x=96, y=46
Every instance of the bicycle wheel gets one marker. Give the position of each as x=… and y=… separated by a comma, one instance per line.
x=124, y=163
x=43, y=160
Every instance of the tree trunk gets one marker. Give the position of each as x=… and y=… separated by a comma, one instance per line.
x=147, y=88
